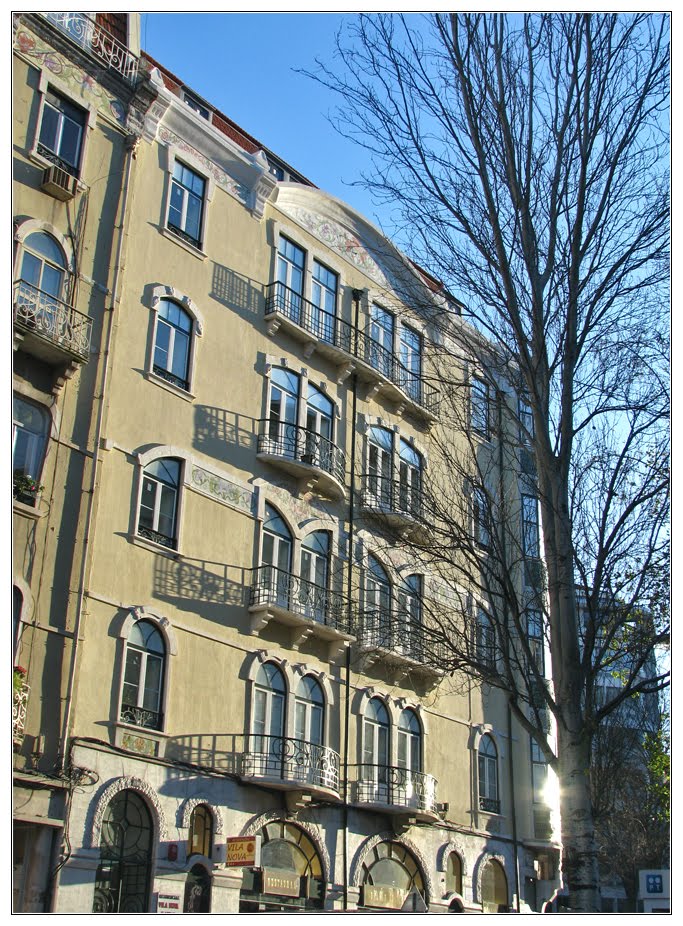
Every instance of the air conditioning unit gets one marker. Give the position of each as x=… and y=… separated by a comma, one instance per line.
x=59, y=183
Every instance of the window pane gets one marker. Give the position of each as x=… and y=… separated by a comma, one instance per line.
x=153, y=674
x=49, y=127
x=70, y=144
x=194, y=217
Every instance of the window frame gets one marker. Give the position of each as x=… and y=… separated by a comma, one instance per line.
x=143, y=461
x=41, y=439
x=170, y=294
x=207, y=814
x=480, y=407
x=193, y=163
x=481, y=518
x=141, y=682
x=531, y=528
x=50, y=82
x=488, y=778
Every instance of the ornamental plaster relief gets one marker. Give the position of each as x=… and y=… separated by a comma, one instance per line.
x=122, y=784
x=185, y=814
x=222, y=490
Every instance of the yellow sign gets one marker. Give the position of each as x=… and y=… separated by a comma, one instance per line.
x=243, y=851
x=284, y=883
x=380, y=895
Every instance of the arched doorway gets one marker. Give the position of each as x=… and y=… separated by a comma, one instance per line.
x=291, y=874
x=197, y=891
x=494, y=887
x=391, y=878
x=123, y=875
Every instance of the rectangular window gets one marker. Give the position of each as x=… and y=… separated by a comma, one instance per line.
x=530, y=533
x=482, y=533
x=196, y=106
x=186, y=206
x=324, y=298
x=539, y=773
x=479, y=406
x=536, y=637
x=61, y=133
x=291, y=260
x=526, y=420
x=486, y=639
x=381, y=344
x=410, y=356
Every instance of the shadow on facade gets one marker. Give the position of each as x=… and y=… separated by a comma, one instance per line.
x=225, y=435
x=199, y=581
x=237, y=292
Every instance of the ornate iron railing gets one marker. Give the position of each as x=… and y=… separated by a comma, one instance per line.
x=390, y=496
x=402, y=634
x=54, y=320
x=397, y=787
x=141, y=717
x=156, y=537
x=292, y=442
x=291, y=760
x=170, y=377
x=87, y=33
x=345, y=336
x=489, y=804
x=273, y=586
x=19, y=706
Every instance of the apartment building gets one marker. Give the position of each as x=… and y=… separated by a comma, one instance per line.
x=225, y=694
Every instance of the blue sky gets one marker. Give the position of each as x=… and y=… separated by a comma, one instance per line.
x=243, y=64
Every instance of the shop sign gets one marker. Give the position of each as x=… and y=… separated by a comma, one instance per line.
x=284, y=883
x=169, y=903
x=243, y=852
x=381, y=895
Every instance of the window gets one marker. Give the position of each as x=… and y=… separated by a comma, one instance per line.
x=43, y=266
x=30, y=430
x=409, y=479
x=380, y=467
x=301, y=430
x=539, y=773
x=377, y=616
x=535, y=625
x=123, y=875
x=194, y=104
x=526, y=420
x=530, y=533
x=290, y=277
x=143, y=677
x=172, y=344
x=61, y=133
x=381, y=344
x=186, y=205
x=409, y=607
x=324, y=299
x=494, y=887
x=159, y=502
x=409, y=742
x=268, y=726
x=486, y=639
x=488, y=775
x=376, y=749
x=410, y=356
x=201, y=831
x=309, y=712
x=389, y=869
x=454, y=874
x=481, y=518
x=315, y=565
x=479, y=406
x=276, y=558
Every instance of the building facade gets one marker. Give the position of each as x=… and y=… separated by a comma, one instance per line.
x=223, y=406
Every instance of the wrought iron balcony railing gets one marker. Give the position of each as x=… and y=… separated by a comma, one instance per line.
x=390, y=496
x=275, y=587
x=291, y=760
x=489, y=804
x=301, y=445
x=171, y=377
x=19, y=706
x=156, y=537
x=395, y=787
x=402, y=634
x=40, y=313
x=98, y=41
x=346, y=337
x=141, y=717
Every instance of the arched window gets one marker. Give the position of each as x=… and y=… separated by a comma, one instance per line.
x=122, y=880
x=409, y=741
x=283, y=413
x=43, y=266
x=390, y=870
x=374, y=777
x=318, y=447
x=454, y=874
x=291, y=260
x=315, y=566
x=377, y=628
x=409, y=638
x=201, y=831
x=290, y=853
x=30, y=429
x=309, y=711
x=267, y=746
x=172, y=342
x=489, y=798
x=494, y=887
x=409, y=480
x=275, y=575
x=143, y=677
x=378, y=483
x=159, y=502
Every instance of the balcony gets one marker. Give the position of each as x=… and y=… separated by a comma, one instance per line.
x=401, y=643
x=398, y=791
x=350, y=349
x=19, y=705
x=281, y=762
x=303, y=453
x=398, y=505
x=98, y=42
x=308, y=609
x=140, y=717
x=48, y=328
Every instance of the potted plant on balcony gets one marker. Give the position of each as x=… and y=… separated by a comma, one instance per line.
x=25, y=488
x=18, y=679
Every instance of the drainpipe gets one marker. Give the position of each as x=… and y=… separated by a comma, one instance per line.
x=357, y=294
x=131, y=143
x=501, y=483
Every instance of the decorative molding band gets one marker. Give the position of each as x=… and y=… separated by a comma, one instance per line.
x=223, y=490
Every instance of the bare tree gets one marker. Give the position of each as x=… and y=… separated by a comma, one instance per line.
x=526, y=159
